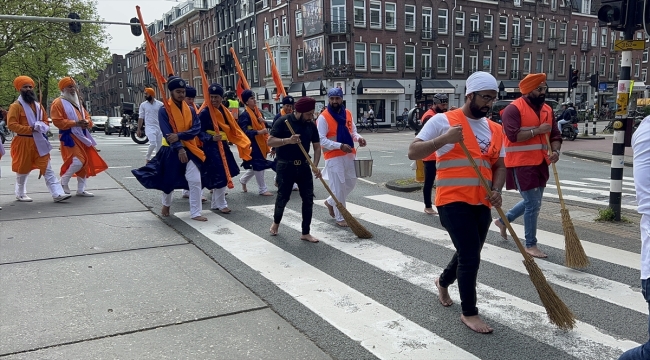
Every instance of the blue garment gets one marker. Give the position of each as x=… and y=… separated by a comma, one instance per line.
x=66, y=137
x=529, y=207
x=165, y=172
x=213, y=174
x=641, y=352
x=258, y=161
x=342, y=132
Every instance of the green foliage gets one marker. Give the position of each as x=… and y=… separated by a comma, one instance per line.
x=48, y=51
x=608, y=215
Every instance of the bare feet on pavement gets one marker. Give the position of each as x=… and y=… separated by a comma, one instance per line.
x=309, y=238
x=200, y=218
x=330, y=208
x=502, y=228
x=243, y=188
x=534, y=251
x=430, y=211
x=443, y=295
x=342, y=223
x=266, y=194
x=165, y=211
x=274, y=229
x=476, y=323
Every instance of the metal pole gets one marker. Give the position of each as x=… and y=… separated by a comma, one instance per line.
x=595, y=113
x=61, y=20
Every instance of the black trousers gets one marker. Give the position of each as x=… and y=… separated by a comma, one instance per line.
x=287, y=175
x=429, y=178
x=468, y=227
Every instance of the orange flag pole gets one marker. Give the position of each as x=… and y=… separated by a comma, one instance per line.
x=243, y=78
x=168, y=62
x=212, y=111
x=277, y=79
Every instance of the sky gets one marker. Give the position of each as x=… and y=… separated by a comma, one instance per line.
x=122, y=11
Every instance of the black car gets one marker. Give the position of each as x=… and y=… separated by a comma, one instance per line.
x=499, y=105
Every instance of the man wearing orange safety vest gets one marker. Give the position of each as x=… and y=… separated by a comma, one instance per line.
x=337, y=134
x=462, y=201
x=440, y=103
x=527, y=122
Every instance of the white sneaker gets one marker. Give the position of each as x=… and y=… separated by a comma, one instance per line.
x=66, y=189
x=24, y=198
x=85, y=194
x=61, y=198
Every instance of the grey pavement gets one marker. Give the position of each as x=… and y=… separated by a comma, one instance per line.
x=595, y=148
x=104, y=277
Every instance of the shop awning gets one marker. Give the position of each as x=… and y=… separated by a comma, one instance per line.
x=296, y=89
x=262, y=94
x=511, y=86
x=379, y=87
x=315, y=88
x=639, y=86
x=557, y=86
x=437, y=87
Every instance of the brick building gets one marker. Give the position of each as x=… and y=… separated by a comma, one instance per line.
x=105, y=95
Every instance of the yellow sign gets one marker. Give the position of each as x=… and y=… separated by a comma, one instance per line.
x=621, y=102
x=624, y=45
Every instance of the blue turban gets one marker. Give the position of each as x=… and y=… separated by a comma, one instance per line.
x=174, y=83
x=190, y=92
x=215, y=89
x=247, y=94
x=288, y=100
x=335, y=92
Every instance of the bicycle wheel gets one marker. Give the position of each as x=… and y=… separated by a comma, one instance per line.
x=360, y=126
x=400, y=125
x=372, y=126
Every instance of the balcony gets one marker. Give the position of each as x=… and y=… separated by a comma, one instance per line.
x=475, y=37
x=585, y=46
x=263, y=4
x=515, y=75
x=552, y=43
x=429, y=34
x=196, y=40
x=337, y=28
x=426, y=73
x=208, y=66
x=338, y=71
x=274, y=41
x=517, y=41
x=182, y=45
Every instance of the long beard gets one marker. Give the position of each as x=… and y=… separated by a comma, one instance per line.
x=71, y=98
x=28, y=96
x=537, y=100
x=478, y=112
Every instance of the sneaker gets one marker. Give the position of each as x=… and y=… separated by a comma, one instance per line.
x=62, y=198
x=24, y=198
x=85, y=194
x=66, y=189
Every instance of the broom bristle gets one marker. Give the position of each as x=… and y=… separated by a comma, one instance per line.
x=357, y=228
x=574, y=254
x=558, y=313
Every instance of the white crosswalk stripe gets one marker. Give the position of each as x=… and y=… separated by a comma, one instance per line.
x=591, y=191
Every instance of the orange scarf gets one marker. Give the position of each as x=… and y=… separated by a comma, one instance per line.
x=283, y=113
x=234, y=133
x=259, y=125
x=182, y=121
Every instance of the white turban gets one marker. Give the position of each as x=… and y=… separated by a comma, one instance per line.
x=480, y=81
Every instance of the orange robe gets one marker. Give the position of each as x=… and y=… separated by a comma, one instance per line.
x=24, y=154
x=93, y=163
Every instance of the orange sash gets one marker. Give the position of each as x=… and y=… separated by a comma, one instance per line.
x=283, y=113
x=257, y=125
x=234, y=133
x=182, y=121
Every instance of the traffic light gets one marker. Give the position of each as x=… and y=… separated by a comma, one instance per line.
x=75, y=26
x=593, y=81
x=418, y=89
x=613, y=13
x=574, y=78
x=136, y=29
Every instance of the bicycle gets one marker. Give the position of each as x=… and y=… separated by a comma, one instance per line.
x=366, y=124
x=401, y=123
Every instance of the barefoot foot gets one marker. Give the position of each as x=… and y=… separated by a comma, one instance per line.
x=342, y=223
x=330, y=208
x=244, y=188
x=200, y=218
x=443, y=295
x=165, y=211
x=476, y=323
x=534, y=251
x=502, y=228
x=309, y=238
x=274, y=229
x=430, y=211
x=266, y=194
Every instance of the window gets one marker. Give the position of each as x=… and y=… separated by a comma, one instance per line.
x=553, y=4
x=541, y=31
x=516, y=27
x=195, y=65
x=514, y=62
x=284, y=63
x=427, y=22
x=253, y=37
x=391, y=12
x=184, y=65
x=409, y=58
x=120, y=83
x=637, y=69
x=268, y=64
x=527, y=59
x=198, y=84
x=644, y=57
x=473, y=60
x=300, y=60
x=603, y=37
x=644, y=75
x=442, y=21
x=563, y=33
x=585, y=34
x=574, y=61
x=611, y=69
x=299, y=23
x=276, y=27
x=474, y=22
x=594, y=36
x=442, y=59
x=267, y=34
x=561, y=64
x=459, y=60
x=539, y=65
x=409, y=17
x=240, y=42
x=503, y=27
x=592, y=64
x=246, y=39
x=375, y=57
x=551, y=65
x=503, y=55
x=460, y=23
x=285, y=32
x=552, y=30
x=391, y=58
x=574, y=35
x=339, y=53
x=119, y=68
x=360, y=56
x=487, y=61
x=528, y=30
x=426, y=62
x=583, y=63
x=360, y=13
x=601, y=65
x=375, y=14
x=488, y=24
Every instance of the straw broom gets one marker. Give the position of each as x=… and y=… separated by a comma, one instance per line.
x=558, y=313
x=574, y=254
x=356, y=227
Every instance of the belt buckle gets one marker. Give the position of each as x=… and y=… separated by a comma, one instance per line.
x=297, y=162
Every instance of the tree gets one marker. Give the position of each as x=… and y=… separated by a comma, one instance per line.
x=48, y=51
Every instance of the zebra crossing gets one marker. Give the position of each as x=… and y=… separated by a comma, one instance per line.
x=384, y=328
x=591, y=190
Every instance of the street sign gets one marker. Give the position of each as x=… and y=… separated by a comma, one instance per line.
x=625, y=45
x=621, y=102
x=602, y=86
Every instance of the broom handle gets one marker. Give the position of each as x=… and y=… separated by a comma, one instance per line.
x=499, y=210
x=557, y=178
x=312, y=163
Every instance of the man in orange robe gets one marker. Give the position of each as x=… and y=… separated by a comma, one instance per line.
x=77, y=144
x=31, y=149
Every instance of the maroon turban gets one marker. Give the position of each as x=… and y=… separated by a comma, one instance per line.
x=305, y=104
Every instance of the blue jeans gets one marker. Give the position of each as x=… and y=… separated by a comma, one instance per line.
x=642, y=352
x=529, y=207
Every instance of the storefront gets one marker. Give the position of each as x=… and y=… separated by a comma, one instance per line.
x=509, y=89
x=263, y=99
x=557, y=90
x=383, y=96
x=433, y=87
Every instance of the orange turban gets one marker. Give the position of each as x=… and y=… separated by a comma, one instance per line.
x=150, y=92
x=531, y=82
x=21, y=81
x=65, y=82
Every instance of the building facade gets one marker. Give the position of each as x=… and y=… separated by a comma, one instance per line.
x=105, y=95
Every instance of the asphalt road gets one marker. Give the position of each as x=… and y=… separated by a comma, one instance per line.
x=376, y=298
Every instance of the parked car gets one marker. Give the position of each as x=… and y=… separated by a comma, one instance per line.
x=501, y=104
x=99, y=123
x=113, y=124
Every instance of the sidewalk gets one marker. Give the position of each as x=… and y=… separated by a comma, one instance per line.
x=594, y=150
x=104, y=277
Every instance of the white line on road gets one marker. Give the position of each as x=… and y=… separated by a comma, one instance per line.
x=368, y=181
x=396, y=164
x=379, y=329
x=119, y=167
x=626, y=183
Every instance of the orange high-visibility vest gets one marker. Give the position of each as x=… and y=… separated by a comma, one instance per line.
x=332, y=126
x=426, y=117
x=456, y=179
x=533, y=151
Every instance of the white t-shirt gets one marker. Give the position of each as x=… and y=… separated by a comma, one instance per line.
x=149, y=112
x=439, y=124
x=641, y=169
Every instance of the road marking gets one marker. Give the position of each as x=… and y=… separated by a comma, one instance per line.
x=588, y=191
x=396, y=164
x=129, y=177
x=119, y=167
x=626, y=183
x=584, y=200
x=593, y=250
x=584, y=342
x=367, y=181
x=586, y=184
x=379, y=329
